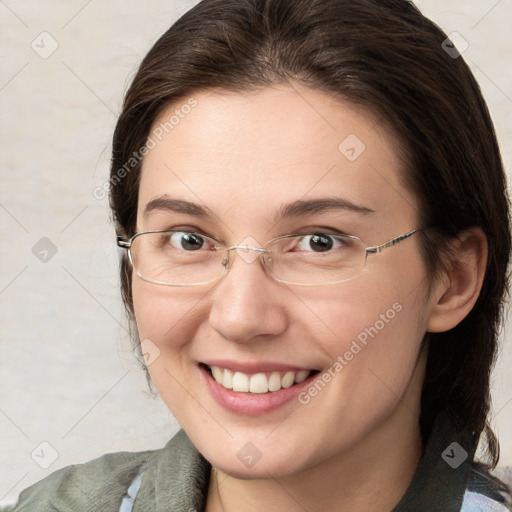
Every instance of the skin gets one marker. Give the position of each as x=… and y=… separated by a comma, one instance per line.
x=356, y=443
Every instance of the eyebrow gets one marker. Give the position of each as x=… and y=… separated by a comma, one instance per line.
x=313, y=206
x=296, y=209
x=165, y=203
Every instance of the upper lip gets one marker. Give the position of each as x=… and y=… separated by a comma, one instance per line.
x=253, y=366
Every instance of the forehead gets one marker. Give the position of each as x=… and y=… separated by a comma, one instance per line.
x=254, y=151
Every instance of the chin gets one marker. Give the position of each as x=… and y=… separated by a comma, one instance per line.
x=249, y=463
x=262, y=470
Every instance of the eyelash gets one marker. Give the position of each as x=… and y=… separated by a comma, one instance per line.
x=302, y=231
x=189, y=229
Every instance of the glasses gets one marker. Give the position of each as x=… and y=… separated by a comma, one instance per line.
x=187, y=258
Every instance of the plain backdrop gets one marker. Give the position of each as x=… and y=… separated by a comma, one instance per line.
x=70, y=387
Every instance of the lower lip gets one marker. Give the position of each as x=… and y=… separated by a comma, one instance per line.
x=252, y=404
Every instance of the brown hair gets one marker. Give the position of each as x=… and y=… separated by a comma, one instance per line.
x=383, y=55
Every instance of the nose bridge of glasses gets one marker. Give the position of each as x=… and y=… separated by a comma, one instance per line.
x=245, y=257
x=260, y=249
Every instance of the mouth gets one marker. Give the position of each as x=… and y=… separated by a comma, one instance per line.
x=258, y=383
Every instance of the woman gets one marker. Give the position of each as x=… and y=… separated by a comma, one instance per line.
x=312, y=203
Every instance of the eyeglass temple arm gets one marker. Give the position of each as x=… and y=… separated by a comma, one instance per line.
x=123, y=243
x=379, y=248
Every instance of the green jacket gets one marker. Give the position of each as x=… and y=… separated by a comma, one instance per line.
x=176, y=479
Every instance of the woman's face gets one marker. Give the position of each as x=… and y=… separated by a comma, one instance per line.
x=244, y=158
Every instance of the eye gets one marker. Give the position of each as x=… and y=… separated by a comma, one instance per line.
x=321, y=242
x=187, y=241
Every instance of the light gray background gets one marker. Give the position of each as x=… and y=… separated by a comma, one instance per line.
x=68, y=377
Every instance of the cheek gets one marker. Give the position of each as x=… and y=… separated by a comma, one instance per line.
x=363, y=315
x=166, y=322
x=373, y=337
x=373, y=372
x=164, y=316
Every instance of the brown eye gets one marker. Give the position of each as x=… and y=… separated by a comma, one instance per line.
x=187, y=241
x=319, y=242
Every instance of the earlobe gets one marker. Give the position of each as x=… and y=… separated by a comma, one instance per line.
x=457, y=291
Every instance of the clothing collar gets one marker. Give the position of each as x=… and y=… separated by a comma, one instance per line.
x=442, y=476
x=177, y=477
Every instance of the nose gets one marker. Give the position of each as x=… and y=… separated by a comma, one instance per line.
x=247, y=302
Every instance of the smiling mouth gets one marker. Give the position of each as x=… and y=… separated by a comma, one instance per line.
x=257, y=383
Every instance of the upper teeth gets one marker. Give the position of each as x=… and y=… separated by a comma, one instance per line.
x=258, y=382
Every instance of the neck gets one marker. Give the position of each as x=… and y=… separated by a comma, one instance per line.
x=377, y=470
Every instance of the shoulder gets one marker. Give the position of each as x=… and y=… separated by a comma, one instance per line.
x=476, y=502
x=484, y=491
x=176, y=474
x=98, y=484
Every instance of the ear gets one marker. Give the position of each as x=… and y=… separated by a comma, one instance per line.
x=458, y=288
